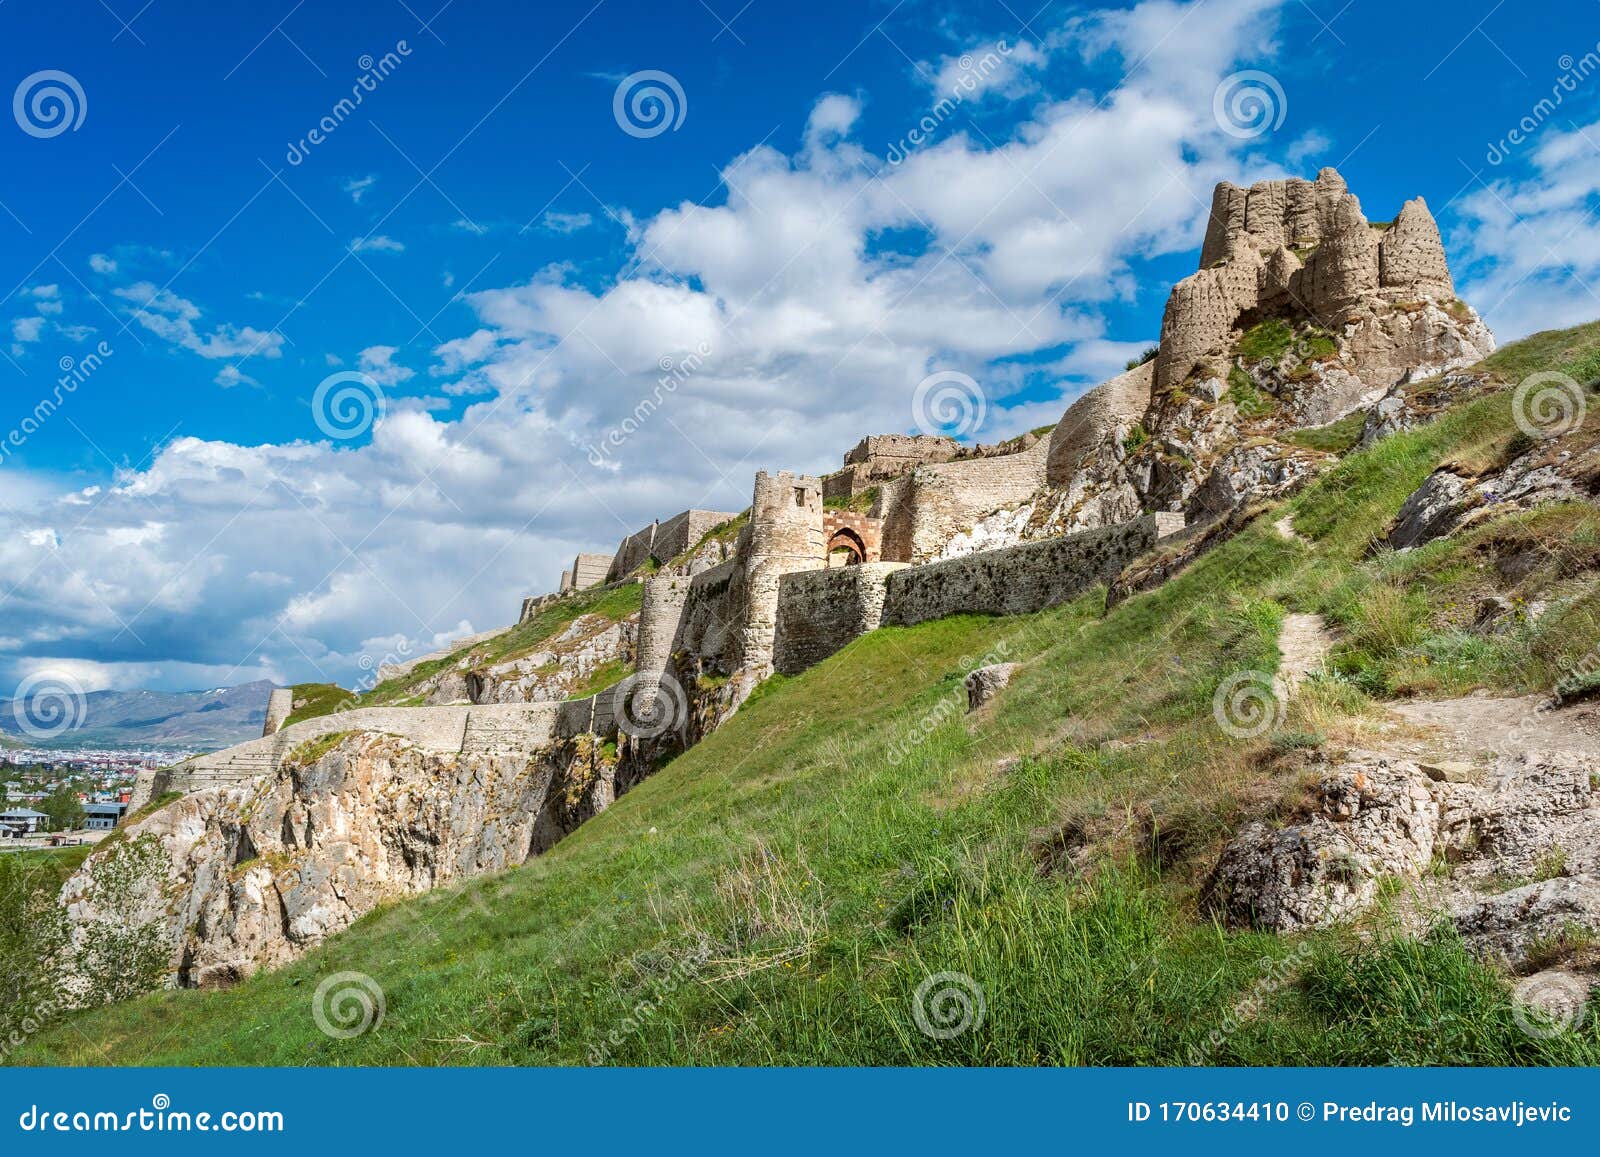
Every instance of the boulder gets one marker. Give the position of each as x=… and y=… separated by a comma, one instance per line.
x=1375, y=818
x=984, y=683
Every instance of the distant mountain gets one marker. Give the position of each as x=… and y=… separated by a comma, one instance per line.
x=202, y=719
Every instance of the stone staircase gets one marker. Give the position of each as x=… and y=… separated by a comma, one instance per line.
x=236, y=765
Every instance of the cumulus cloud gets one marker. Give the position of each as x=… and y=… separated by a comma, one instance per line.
x=25, y=331
x=100, y=263
x=1533, y=258
x=378, y=363
x=767, y=331
x=1005, y=68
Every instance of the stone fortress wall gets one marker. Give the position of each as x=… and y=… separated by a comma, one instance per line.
x=879, y=457
x=494, y=727
x=802, y=580
x=819, y=611
x=1299, y=248
x=1018, y=580
x=587, y=570
x=784, y=534
x=851, y=537
x=280, y=705
x=922, y=510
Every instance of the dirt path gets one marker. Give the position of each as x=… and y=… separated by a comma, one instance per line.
x=1479, y=726
x=1304, y=643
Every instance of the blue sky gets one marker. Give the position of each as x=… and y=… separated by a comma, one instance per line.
x=487, y=243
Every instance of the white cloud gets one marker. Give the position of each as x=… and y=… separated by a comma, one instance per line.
x=100, y=263
x=773, y=330
x=377, y=243
x=1533, y=254
x=357, y=187
x=229, y=376
x=378, y=363
x=566, y=222
x=173, y=318
x=1001, y=67
x=27, y=329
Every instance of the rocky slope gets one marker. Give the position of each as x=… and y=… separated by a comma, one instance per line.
x=1509, y=852
x=229, y=880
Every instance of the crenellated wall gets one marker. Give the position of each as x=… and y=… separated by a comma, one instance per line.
x=820, y=611
x=1021, y=579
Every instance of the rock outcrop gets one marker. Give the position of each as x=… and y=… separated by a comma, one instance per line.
x=250, y=876
x=1518, y=845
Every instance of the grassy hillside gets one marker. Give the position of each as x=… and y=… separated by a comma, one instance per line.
x=778, y=893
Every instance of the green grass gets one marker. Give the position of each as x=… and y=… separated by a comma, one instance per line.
x=862, y=502
x=1149, y=355
x=776, y=894
x=320, y=699
x=1250, y=401
x=312, y=750
x=1266, y=341
x=1337, y=437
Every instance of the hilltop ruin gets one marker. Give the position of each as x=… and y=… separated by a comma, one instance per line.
x=1302, y=315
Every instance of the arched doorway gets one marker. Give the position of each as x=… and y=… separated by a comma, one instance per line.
x=845, y=548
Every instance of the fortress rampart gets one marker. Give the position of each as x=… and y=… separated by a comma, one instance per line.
x=1021, y=579
x=820, y=611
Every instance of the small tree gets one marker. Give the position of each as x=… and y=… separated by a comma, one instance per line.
x=63, y=808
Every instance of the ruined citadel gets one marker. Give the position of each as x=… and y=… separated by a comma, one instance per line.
x=1301, y=313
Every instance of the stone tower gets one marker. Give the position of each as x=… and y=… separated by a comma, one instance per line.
x=1303, y=250
x=784, y=534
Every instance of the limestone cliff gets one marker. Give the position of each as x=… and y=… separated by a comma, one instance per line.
x=229, y=880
